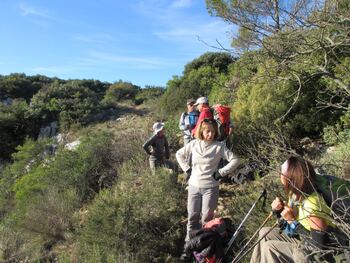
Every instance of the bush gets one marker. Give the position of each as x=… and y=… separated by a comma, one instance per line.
x=120, y=91
x=200, y=76
x=28, y=157
x=70, y=102
x=148, y=93
x=15, y=126
x=138, y=217
x=337, y=160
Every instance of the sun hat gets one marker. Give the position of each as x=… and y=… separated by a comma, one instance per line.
x=157, y=127
x=190, y=101
x=201, y=100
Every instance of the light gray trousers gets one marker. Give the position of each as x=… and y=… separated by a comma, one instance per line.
x=201, y=204
x=276, y=247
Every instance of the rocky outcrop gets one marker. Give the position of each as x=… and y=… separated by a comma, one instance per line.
x=48, y=131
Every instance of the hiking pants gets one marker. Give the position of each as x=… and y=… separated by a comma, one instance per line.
x=155, y=163
x=201, y=204
x=277, y=247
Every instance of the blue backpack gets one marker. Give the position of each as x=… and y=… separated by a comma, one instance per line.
x=193, y=117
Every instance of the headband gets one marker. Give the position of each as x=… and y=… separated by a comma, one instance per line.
x=284, y=167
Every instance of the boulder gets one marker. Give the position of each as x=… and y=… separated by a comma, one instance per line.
x=48, y=131
x=72, y=146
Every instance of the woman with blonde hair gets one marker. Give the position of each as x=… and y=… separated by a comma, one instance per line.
x=203, y=190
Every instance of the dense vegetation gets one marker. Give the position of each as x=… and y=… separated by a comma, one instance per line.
x=289, y=90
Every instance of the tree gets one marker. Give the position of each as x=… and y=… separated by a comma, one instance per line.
x=200, y=76
x=309, y=39
x=121, y=91
x=258, y=19
x=18, y=86
x=217, y=60
x=70, y=103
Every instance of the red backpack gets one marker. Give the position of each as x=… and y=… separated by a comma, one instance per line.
x=221, y=114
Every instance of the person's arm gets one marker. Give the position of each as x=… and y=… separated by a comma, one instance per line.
x=277, y=206
x=317, y=223
x=146, y=145
x=182, y=125
x=288, y=214
x=166, y=146
x=230, y=131
x=233, y=161
x=182, y=156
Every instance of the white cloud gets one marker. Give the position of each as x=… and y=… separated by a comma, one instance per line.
x=33, y=11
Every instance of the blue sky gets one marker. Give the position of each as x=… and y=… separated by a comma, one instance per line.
x=145, y=42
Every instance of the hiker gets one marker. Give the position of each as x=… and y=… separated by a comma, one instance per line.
x=305, y=219
x=219, y=113
x=204, y=175
x=188, y=120
x=205, y=112
x=159, y=152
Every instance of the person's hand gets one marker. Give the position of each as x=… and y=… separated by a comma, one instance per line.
x=188, y=126
x=217, y=176
x=277, y=205
x=188, y=174
x=288, y=214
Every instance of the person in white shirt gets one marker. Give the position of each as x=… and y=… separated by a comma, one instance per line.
x=188, y=120
x=203, y=190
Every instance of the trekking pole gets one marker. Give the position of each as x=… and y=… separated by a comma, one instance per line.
x=262, y=195
x=255, y=233
x=257, y=242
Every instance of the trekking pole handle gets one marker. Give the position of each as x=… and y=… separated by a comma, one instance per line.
x=263, y=194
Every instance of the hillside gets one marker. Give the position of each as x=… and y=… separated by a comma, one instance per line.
x=75, y=183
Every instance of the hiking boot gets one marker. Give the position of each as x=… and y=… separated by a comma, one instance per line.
x=185, y=256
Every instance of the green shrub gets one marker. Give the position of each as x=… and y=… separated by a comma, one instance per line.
x=336, y=160
x=138, y=217
x=120, y=91
x=200, y=76
x=72, y=102
x=148, y=93
x=15, y=126
x=28, y=157
x=173, y=133
x=21, y=86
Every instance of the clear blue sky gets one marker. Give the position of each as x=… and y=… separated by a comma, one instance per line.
x=145, y=42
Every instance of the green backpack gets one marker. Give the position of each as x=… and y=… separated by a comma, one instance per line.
x=336, y=193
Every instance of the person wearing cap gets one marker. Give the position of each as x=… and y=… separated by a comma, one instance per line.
x=205, y=112
x=157, y=147
x=188, y=120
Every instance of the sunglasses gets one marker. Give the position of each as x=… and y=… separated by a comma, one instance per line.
x=211, y=121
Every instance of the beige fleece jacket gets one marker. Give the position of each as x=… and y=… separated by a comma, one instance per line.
x=205, y=160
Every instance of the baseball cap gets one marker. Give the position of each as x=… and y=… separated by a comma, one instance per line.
x=201, y=100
